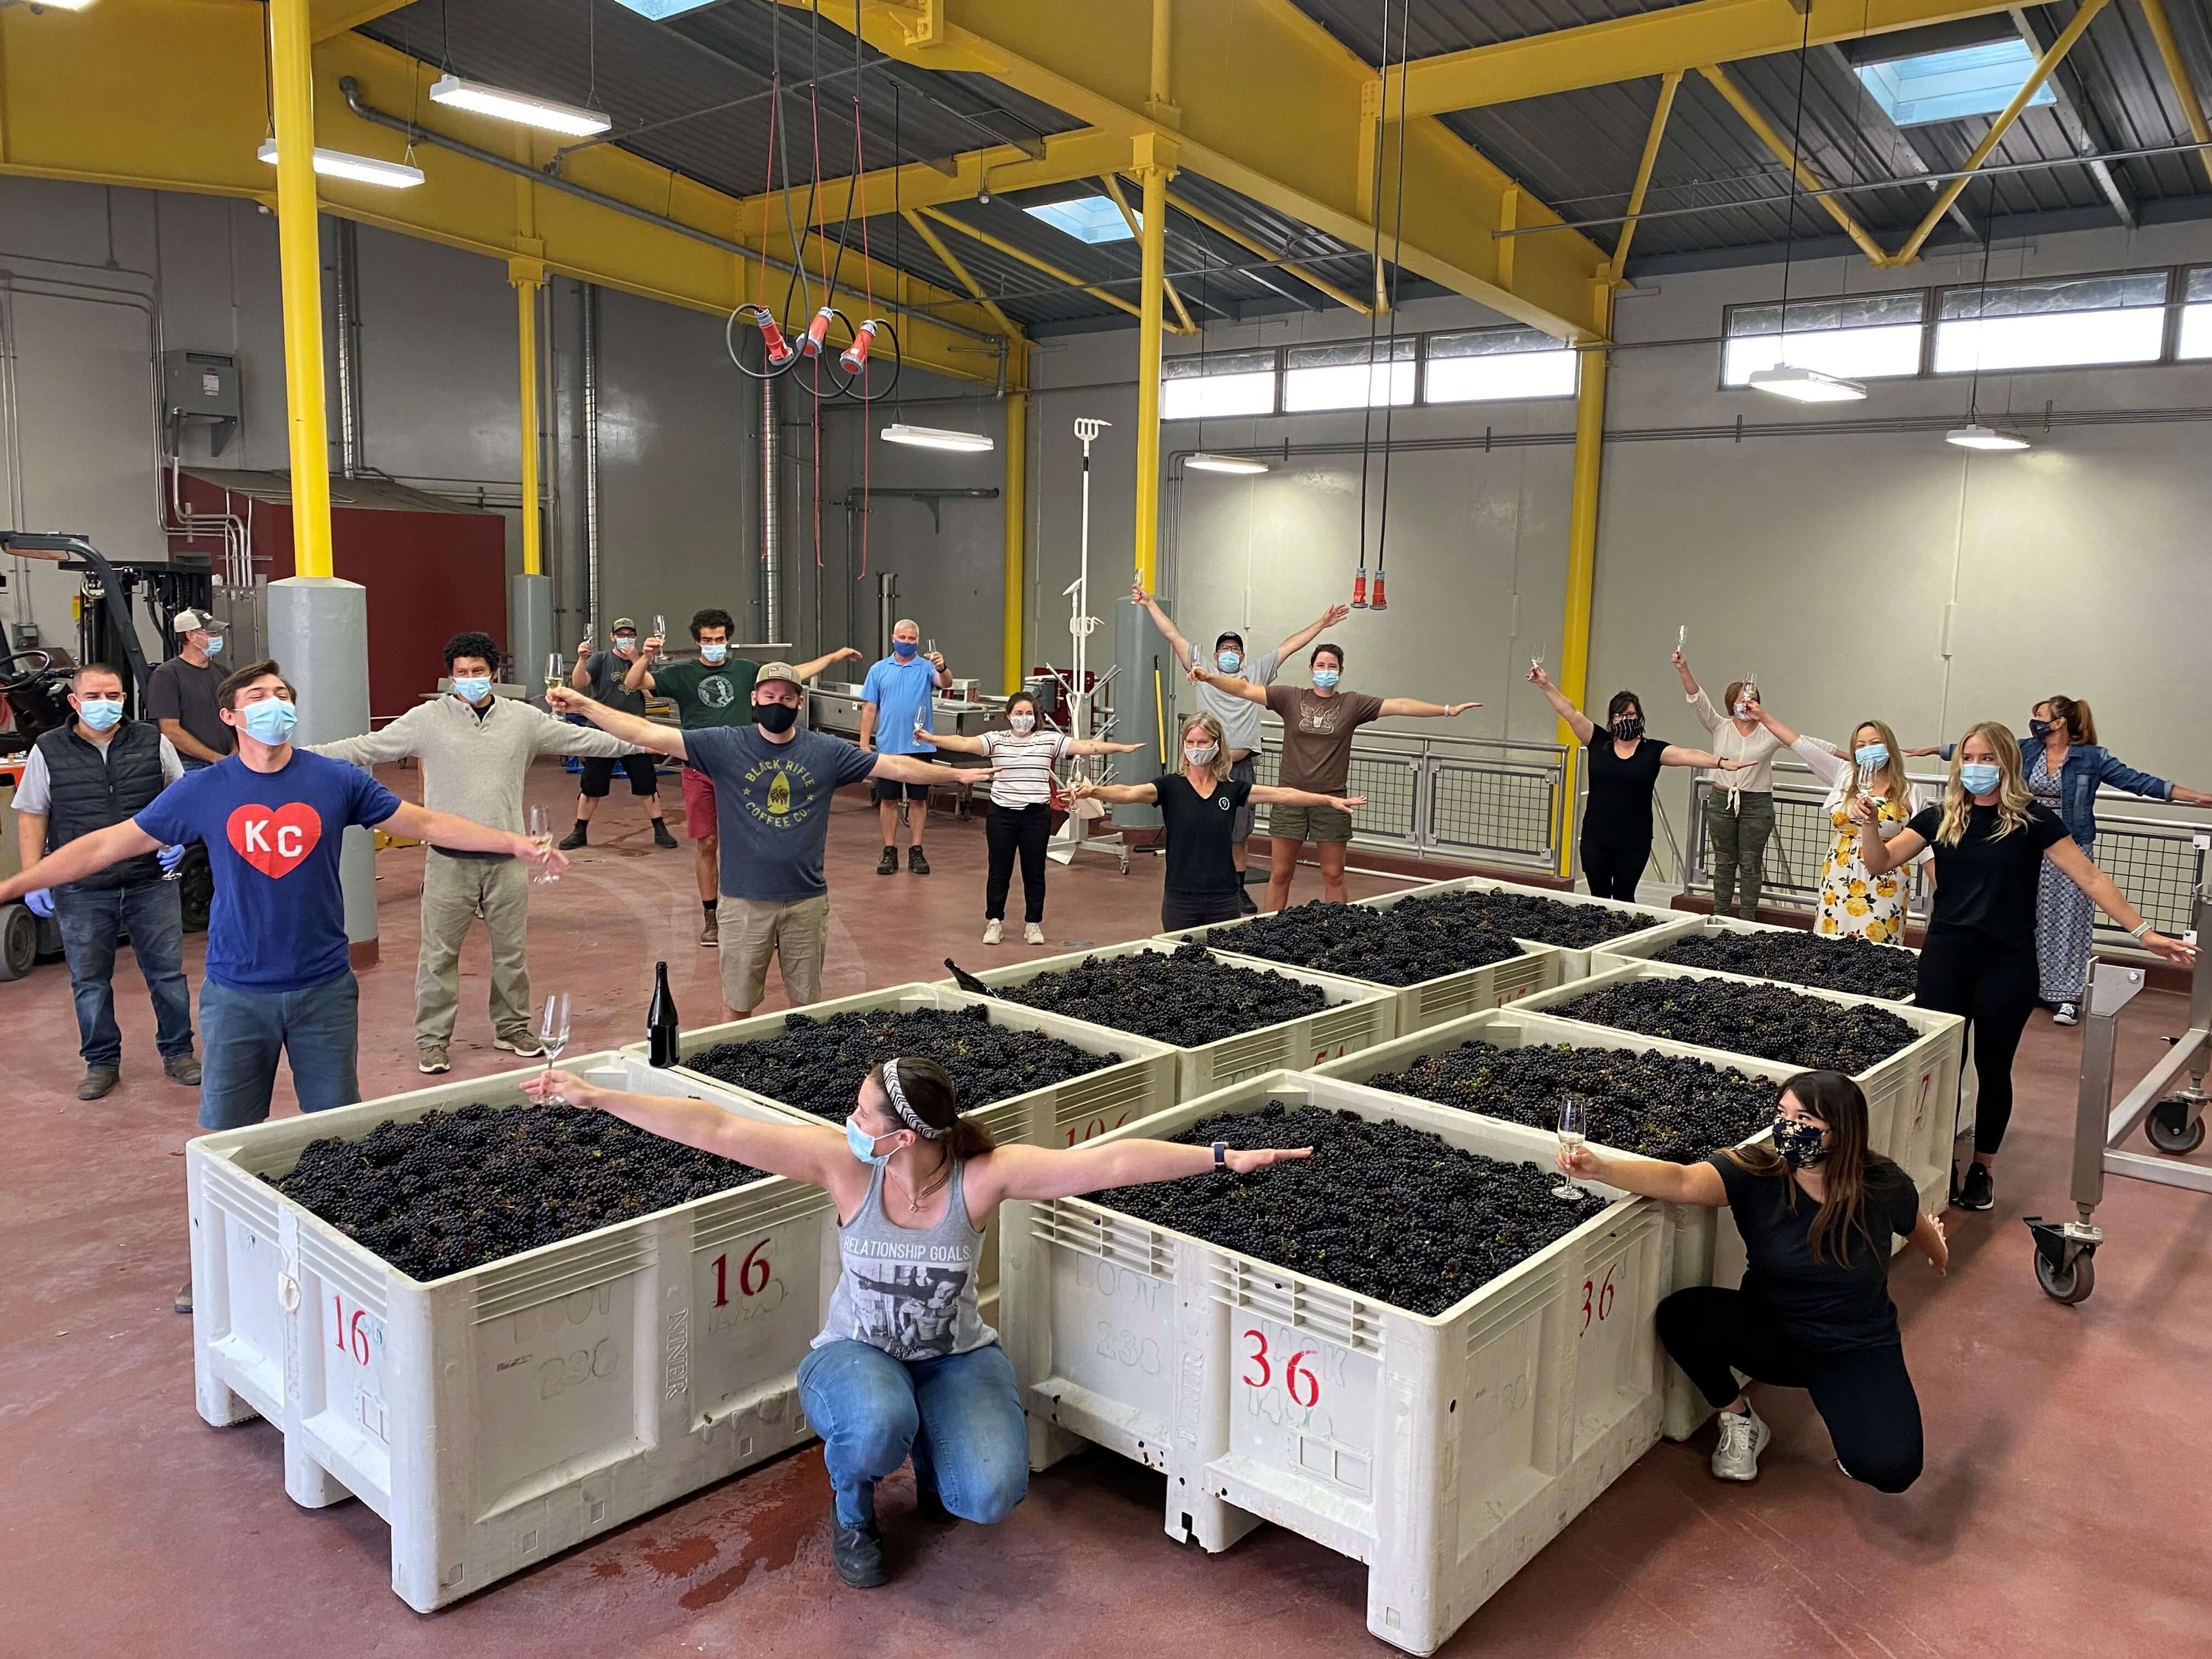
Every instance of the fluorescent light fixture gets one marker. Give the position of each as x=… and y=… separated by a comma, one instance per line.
x=1206, y=461
x=362, y=169
x=1805, y=385
x=1975, y=435
x=65, y=5
x=1087, y=219
x=937, y=437
x=573, y=119
x=1951, y=86
x=658, y=9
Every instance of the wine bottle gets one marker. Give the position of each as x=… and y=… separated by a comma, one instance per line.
x=660, y=1022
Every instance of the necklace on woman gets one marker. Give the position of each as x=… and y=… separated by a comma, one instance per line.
x=914, y=1199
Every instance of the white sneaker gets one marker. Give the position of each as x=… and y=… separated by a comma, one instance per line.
x=993, y=932
x=1032, y=933
x=1744, y=1435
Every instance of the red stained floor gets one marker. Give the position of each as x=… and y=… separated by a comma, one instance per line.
x=2062, y=1510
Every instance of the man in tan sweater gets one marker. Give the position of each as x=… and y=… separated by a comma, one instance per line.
x=476, y=749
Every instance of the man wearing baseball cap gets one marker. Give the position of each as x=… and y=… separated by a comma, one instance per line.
x=181, y=696
x=773, y=784
x=601, y=675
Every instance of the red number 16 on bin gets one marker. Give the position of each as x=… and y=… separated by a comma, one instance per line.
x=1299, y=1380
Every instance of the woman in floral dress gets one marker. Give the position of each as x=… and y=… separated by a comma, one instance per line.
x=1854, y=903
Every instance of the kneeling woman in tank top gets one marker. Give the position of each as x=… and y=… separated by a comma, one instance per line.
x=905, y=1365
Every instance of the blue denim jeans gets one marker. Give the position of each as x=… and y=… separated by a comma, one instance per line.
x=318, y=1030
x=91, y=919
x=960, y=1417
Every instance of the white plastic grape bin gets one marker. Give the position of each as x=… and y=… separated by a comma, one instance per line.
x=1648, y=947
x=1356, y=1016
x=1703, y=1244
x=1908, y=1095
x=496, y=1417
x=1442, y=1451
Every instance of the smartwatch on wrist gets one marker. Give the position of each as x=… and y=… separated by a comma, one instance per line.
x=1220, y=1156
x=2139, y=929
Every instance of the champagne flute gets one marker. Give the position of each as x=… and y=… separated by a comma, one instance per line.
x=1574, y=1126
x=660, y=632
x=541, y=836
x=557, y=670
x=553, y=1032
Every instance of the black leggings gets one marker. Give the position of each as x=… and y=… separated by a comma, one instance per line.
x=1179, y=911
x=1006, y=830
x=1613, y=871
x=1863, y=1394
x=1964, y=971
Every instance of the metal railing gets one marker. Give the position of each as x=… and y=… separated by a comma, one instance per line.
x=1449, y=796
x=2159, y=863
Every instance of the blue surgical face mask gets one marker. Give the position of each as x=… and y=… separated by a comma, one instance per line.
x=101, y=714
x=1325, y=679
x=214, y=646
x=712, y=655
x=1980, y=778
x=472, y=687
x=1874, y=754
x=1801, y=1145
x=905, y=649
x=1228, y=661
x=863, y=1145
x=626, y=644
x=270, y=721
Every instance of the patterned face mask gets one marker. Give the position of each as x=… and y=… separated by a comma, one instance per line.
x=1802, y=1146
x=1628, y=728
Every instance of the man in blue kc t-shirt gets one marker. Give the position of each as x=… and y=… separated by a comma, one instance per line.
x=896, y=701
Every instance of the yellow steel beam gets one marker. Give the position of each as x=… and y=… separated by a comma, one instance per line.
x=1670, y=83
x=1582, y=555
x=1114, y=189
x=1262, y=57
x=2184, y=85
x=299, y=265
x=997, y=169
x=2083, y=16
x=1222, y=227
x=950, y=261
x=1012, y=565
x=528, y=276
x=180, y=85
x=1831, y=205
x=1153, y=166
x=1022, y=256
x=337, y=17
x=1671, y=38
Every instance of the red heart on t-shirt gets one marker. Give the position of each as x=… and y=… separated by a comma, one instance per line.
x=275, y=840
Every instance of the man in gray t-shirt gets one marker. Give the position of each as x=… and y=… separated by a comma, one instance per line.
x=180, y=697
x=1240, y=719
x=601, y=674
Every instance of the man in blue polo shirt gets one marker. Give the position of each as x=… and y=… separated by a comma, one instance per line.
x=896, y=703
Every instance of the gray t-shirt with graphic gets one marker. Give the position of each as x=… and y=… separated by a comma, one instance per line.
x=772, y=806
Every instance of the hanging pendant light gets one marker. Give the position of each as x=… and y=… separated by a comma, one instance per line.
x=1976, y=436
x=936, y=437
x=1806, y=385
x=1204, y=461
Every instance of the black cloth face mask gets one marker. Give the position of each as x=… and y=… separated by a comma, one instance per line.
x=776, y=717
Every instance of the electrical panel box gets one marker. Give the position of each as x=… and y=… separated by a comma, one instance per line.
x=202, y=386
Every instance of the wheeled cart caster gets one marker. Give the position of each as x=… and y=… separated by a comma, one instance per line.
x=2176, y=1124
x=2065, y=1257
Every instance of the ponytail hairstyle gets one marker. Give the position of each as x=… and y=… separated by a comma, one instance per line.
x=920, y=1096
x=2013, y=797
x=2074, y=714
x=1839, y=1104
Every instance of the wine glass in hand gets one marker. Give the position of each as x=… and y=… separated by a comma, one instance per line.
x=541, y=835
x=1574, y=1126
x=553, y=1033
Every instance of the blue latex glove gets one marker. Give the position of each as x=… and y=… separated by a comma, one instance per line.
x=171, y=856
x=39, y=901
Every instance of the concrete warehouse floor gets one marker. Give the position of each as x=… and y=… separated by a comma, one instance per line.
x=2062, y=1510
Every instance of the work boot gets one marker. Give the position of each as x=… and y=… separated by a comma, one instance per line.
x=660, y=835
x=857, y=1552
x=577, y=838
x=431, y=1061
x=97, y=1081
x=916, y=862
x=184, y=1068
x=712, y=933
x=888, y=865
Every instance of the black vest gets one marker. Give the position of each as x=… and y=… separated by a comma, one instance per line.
x=90, y=795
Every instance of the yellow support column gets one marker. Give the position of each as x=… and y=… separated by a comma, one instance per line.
x=1573, y=679
x=1151, y=169
x=1016, y=578
x=300, y=266
x=528, y=276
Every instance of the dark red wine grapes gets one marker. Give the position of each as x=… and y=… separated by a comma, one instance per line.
x=1834, y=965
x=1381, y=1209
x=455, y=1190
x=1187, y=998
x=1384, y=947
x=1763, y=1020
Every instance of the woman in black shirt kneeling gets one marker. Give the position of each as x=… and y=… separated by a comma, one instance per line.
x=1198, y=806
x=1978, y=958
x=1817, y=1211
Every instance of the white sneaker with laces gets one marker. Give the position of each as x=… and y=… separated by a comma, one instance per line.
x=1032, y=933
x=1744, y=1435
x=993, y=932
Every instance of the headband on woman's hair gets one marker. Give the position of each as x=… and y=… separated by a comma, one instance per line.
x=898, y=1103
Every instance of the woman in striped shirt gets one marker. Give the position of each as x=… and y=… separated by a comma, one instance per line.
x=1020, y=818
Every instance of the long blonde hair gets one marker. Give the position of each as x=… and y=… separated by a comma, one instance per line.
x=1896, y=787
x=1211, y=727
x=2013, y=797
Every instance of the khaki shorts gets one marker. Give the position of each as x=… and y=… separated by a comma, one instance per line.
x=1309, y=823
x=753, y=930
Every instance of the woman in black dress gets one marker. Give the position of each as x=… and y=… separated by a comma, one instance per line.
x=1624, y=769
